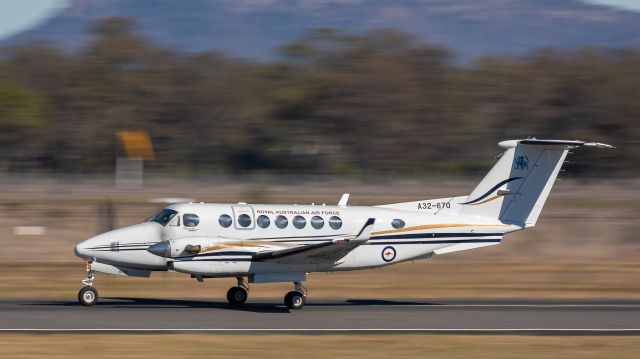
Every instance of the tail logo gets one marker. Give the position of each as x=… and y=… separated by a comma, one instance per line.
x=522, y=162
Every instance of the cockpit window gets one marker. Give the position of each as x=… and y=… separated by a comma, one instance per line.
x=190, y=219
x=163, y=217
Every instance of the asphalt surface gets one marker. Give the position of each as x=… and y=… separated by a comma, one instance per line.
x=140, y=314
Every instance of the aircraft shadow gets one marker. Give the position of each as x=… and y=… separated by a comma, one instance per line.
x=261, y=307
x=129, y=302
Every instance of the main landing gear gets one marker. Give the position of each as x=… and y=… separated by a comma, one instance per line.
x=238, y=295
x=296, y=298
x=88, y=295
x=293, y=300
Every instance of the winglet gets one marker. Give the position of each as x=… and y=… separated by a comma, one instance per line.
x=343, y=200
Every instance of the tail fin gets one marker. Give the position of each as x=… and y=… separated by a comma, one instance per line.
x=516, y=188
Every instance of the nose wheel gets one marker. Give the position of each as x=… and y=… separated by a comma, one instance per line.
x=88, y=295
x=296, y=299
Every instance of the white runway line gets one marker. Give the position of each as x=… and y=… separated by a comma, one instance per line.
x=436, y=306
x=213, y=330
x=630, y=306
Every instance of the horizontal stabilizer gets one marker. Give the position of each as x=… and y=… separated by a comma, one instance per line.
x=564, y=143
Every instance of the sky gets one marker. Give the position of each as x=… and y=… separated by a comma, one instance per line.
x=625, y=4
x=18, y=15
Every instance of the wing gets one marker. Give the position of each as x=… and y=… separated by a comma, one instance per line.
x=321, y=252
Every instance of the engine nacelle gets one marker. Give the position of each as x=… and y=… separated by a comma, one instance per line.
x=182, y=246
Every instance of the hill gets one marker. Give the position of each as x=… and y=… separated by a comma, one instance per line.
x=253, y=28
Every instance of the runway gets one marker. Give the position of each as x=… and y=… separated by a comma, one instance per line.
x=446, y=315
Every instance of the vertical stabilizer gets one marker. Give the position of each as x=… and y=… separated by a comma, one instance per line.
x=516, y=188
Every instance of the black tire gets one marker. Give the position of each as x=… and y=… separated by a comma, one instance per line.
x=88, y=296
x=294, y=300
x=237, y=295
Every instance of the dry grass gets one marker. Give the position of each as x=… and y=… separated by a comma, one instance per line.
x=316, y=346
x=434, y=278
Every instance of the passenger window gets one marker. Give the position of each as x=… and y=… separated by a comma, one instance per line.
x=190, y=220
x=299, y=222
x=225, y=220
x=335, y=222
x=282, y=222
x=244, y=220
x=263, y=221
x=317, y=222
x=397, y=223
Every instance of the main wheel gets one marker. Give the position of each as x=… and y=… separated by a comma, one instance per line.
x=237, y=295
x=294, y=300
x=88, y=296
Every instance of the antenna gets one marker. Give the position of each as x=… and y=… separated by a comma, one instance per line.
x=344, y=200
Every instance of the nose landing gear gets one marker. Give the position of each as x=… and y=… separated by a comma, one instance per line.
x=297, y=297
x=88, y=295
x=238, y=295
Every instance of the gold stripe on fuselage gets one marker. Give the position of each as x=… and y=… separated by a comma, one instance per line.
x=244, y=244
x=434, y=226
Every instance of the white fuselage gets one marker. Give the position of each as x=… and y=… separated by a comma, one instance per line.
x=227, y=247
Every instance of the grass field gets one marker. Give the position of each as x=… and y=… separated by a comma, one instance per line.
x=433, y=278
x=316, y=346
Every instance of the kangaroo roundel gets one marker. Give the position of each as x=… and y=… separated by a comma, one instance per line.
x=388, y=254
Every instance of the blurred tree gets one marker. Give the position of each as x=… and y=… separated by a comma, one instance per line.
x=21, y=111
x=336, y=103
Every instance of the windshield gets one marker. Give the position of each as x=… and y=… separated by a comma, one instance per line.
x=163, y=217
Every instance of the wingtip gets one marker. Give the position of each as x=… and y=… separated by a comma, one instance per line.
x=598, y=145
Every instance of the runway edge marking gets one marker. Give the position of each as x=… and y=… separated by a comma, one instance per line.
x=580, y=331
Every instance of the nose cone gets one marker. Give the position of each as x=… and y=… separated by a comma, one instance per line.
x=110, y=243
x=162, y=249
x=93, y=246
x=81, y=250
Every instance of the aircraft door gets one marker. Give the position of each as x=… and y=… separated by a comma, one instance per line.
x=243, y=217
